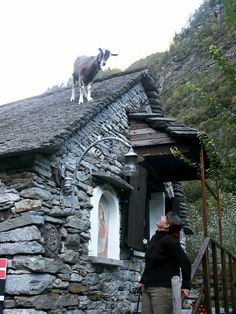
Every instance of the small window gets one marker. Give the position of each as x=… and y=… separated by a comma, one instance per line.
x=105, y=224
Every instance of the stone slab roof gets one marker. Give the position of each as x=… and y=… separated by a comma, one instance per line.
x=42, y=123
x=169, y=125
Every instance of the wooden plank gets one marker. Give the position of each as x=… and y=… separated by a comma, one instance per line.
x=137, y=210
x=154, y=141
x=199, y=257
x=206, y=282
x=160, y=150
x=138, y=125
x=157, y=136
x=215, y=279
x=142, y=131
x=176, y=295
x=224, y=281
x=233, y=285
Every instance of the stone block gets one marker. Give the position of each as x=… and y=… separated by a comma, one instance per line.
x=8, y=196
x=21, y=234
x=23, y=311
x=28, y=284
x=49, y=301
x=27, y=204
x=78, y=288
x=73, y=242
x=40, y=264
x=26, y=247
x=36, y=193
x=21, y=221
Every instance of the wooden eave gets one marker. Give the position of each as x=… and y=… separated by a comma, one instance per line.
x=155, y=146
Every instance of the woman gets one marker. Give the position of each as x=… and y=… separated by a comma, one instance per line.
x=163, y=260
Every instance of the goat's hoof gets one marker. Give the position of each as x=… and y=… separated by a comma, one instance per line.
x=90, y=98
x=72, y=99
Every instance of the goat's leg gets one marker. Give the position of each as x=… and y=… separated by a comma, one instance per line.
x=81, y=94
x=72, y=98
x=81, y=91
x=89, y=92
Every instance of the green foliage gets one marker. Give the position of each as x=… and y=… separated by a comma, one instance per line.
x=228, y=219
x=198, y=89
x=215, y=168
x=106, y=73
x=151, y=62
x=204, y=97
x=209, y=147
x=230, y=10
x=224, y=64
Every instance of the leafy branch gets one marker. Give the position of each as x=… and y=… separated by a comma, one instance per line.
x=204, y=97
x=230, y=10
x=211, y=152
x=177, y=154
x=218, y=55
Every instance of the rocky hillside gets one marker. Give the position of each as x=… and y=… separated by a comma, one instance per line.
x=199, y=88
x=189, y=63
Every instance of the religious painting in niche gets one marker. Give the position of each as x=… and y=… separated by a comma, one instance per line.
x=103, y=227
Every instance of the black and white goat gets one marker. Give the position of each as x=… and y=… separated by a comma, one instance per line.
x=85, y=70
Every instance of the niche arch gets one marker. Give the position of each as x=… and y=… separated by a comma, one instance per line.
x=105, y=223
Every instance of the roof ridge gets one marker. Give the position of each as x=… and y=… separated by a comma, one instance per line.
x=121, y=73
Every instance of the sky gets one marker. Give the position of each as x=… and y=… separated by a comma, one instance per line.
x=40, y=39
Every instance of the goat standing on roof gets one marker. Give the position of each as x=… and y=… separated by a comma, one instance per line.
x=85, y=70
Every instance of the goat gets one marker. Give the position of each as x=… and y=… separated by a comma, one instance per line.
x=85, y=70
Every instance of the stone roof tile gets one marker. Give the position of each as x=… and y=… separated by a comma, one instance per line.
x=42, y=123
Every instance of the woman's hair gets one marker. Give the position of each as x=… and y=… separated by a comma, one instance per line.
x=174, y=221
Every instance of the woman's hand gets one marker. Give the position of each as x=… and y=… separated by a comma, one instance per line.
x=185, y=292
x=141, y=286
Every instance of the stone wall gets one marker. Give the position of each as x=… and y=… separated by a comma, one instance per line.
x=46, y=242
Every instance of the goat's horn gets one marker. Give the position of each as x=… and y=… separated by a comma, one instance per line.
x=114, y=54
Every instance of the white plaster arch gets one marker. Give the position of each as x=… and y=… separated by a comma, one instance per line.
x=110, y=198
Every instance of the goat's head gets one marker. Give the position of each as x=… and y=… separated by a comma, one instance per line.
x=103, y=56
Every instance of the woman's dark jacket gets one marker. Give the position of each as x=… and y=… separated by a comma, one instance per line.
x=163, y=260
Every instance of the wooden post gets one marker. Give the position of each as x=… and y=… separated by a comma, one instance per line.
x=224, y=281
x=205, y=265
x=206, y=282
x=215, y=278
x=176, y=295
x=203, y=186
x=219, y=209
x=234, y=286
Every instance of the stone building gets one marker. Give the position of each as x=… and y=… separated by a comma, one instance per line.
x=74, y=235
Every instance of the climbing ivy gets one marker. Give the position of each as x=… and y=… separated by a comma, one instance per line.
x=209, y=146
x=213, y=156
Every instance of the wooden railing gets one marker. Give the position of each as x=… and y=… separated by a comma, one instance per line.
x=216, y=266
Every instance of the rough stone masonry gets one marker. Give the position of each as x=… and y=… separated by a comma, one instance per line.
x=46, y=243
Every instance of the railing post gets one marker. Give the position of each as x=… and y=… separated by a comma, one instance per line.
x=215, y=278
x=219, y=210
x=203, y=186
x=224, y=281
x=232, y=266
x=234, y=286
x=206, y=282
x=205, y=265
x=176, y=295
